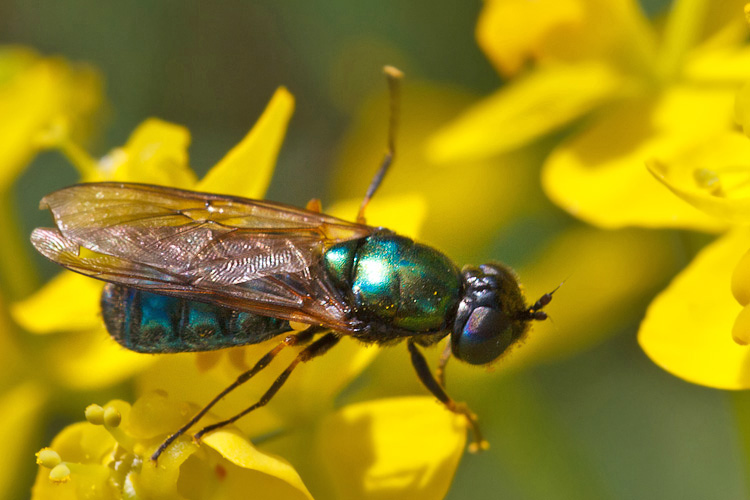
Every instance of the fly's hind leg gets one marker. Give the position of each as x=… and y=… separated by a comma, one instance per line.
x=290, y=340
x=425, y=375
x=317, y=348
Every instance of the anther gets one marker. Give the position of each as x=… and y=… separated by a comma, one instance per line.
x=95, y=414
x=49, y=458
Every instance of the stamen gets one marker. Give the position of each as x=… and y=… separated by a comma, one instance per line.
x=94, y=414
x=48, y=458
x=60, y=473
x=112, y=417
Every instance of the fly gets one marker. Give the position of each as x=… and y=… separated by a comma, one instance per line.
x=189, y=271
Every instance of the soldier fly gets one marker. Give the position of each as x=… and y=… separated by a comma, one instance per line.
x=191, y=271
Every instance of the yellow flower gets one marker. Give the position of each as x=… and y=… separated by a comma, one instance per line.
x=633, y=92
x=108, y=457
x=688, y=328
x=698, y=327
x=405, y=446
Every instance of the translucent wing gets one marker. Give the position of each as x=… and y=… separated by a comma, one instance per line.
x=250, y=255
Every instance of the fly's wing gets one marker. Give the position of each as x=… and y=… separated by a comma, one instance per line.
x=250, y=255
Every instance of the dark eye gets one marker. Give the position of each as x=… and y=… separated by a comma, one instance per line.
x=485, y=336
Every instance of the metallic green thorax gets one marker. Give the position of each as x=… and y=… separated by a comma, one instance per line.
x=396, y=282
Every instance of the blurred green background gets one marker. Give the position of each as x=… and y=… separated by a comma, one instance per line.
x=602, y=424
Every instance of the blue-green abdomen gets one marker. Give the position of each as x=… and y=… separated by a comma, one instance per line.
x=396, y=282
x=147, y=322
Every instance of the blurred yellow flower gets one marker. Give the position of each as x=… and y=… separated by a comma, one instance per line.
x=631, y=90
x=35, y=93
x=689, y=327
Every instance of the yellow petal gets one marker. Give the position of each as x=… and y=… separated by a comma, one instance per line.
x=309, y=391
x=14, y=359
x=154, y=414
x=246, y=170
x=163, y=479
x=712, y=176
x=19, y=424
x=87, y=445
x=688, y=327
x=392, y=448
x=83, y=442
x=524, y=110
x=681, y=32
x=156, y=153
x=277, y=478
x=14, y=60
x=599, y=176
x=742, y=108
x=741, y=327
x=51, y=309
x=741, y=280
x=404, y=214
x=513, y=31
x=183, y=380
x=90, y=360
x=719, y=66
x=723, y=25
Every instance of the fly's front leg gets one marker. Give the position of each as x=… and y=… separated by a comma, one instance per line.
x=425, y=375
x=442, y=361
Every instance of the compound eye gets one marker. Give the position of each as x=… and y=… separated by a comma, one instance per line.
x=485, y=336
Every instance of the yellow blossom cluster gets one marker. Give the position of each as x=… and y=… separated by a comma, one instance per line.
x=641, y=101
x=634, y=126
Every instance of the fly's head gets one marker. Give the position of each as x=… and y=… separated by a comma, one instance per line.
x=492, y=315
